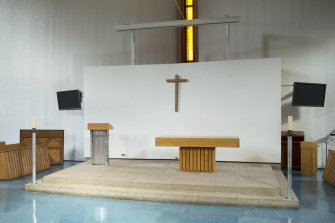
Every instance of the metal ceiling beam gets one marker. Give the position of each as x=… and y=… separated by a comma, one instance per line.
x=177, y=23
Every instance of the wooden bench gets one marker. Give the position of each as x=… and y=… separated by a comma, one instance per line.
x=197, y=153
x=15, y=160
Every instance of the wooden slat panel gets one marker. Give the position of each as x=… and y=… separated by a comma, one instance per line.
x=15, y=161
x=189, y=159
x=329, y=172
x=3, y=167
x=38, y=159
x=195, y=159
x=214, y=159
x=29, y=161
x=185, y=158
x=180, y=159
x=19, y=162
x=6, y=166
x=206, y=160
x=198, y=159
x=192, y=159
x=210, y=161
x=12, y=165
x=24, y=162
x=202, y=163
x=9, y=168
x=46, y=157
x=43, y=158
x=24, y=156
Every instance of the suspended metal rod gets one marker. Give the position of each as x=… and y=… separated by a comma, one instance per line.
x=132, y=48
x=178, y=23
x=227, y=41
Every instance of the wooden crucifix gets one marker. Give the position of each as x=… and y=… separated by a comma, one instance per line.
x=176, y=82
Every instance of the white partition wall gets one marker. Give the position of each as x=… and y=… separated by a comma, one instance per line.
x=226, y=98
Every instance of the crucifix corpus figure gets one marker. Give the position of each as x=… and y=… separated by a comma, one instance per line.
x=176, y=82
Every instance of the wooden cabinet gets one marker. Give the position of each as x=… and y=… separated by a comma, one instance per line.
x=54, y=139
x=309, y=158
x=297, y=137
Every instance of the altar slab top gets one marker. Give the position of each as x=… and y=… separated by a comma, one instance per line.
x=193, y=141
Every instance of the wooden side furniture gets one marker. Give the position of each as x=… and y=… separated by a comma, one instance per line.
x=99, y=142
x=197, y=153
x=53, y=139
x=297, y=137
x=309, y=158
x=15, y=160
x=329, y=172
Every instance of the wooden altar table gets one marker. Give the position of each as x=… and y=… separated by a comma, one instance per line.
x=197, y=153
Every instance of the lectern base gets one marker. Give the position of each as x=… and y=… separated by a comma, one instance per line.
x=99, y=143
x=99, y=147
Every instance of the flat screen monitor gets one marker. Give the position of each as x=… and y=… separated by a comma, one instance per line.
x=309, y=94
x=69, y=100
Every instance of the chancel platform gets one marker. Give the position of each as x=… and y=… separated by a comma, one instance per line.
x=236, y=184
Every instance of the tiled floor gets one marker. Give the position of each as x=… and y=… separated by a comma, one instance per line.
x=317, y=204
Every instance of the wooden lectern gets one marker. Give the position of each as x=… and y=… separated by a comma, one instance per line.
x=99, y=142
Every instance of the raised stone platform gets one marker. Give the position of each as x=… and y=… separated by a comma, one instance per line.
x=237, y=184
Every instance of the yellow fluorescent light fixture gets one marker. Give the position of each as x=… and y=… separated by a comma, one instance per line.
x=189, y=2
